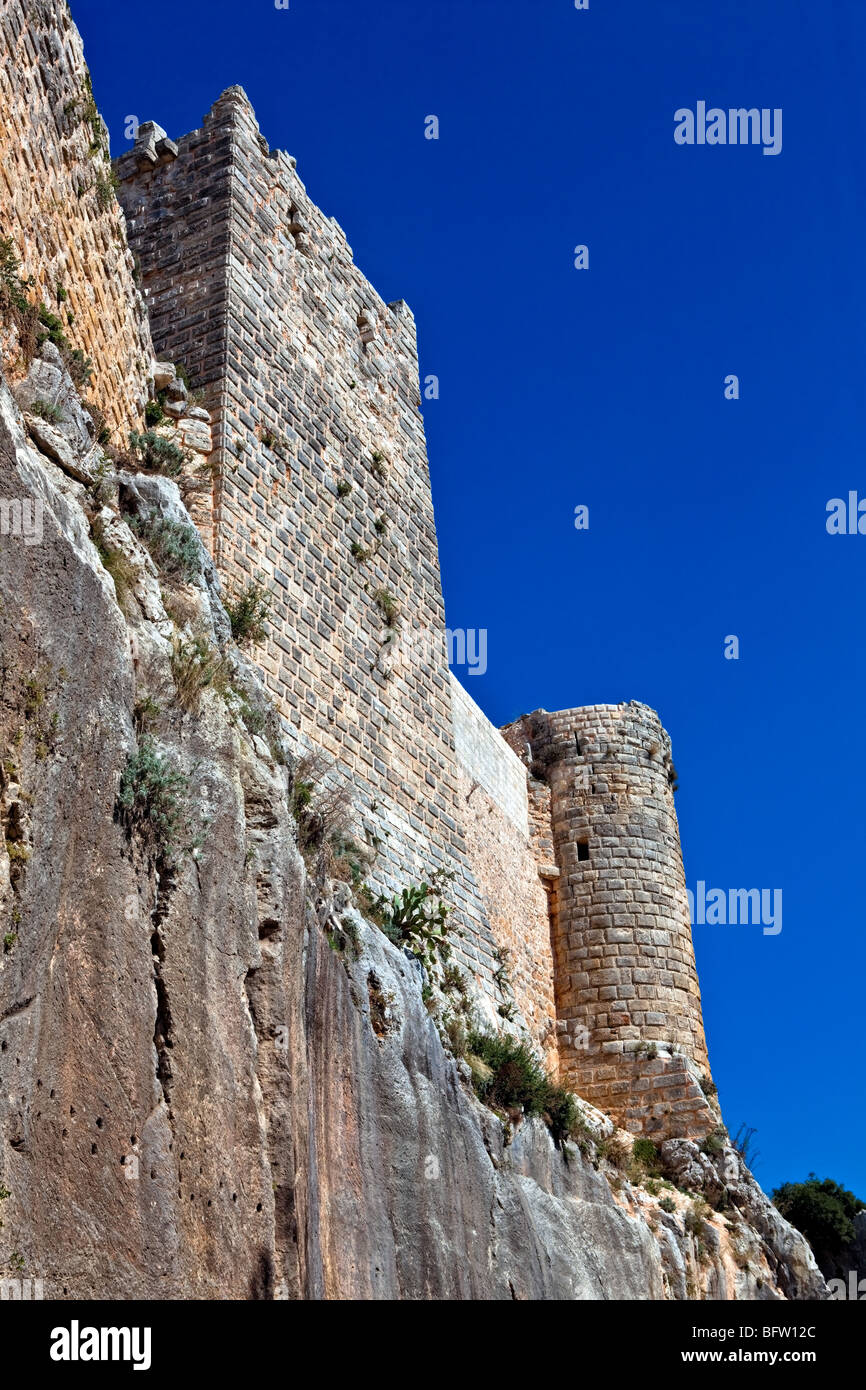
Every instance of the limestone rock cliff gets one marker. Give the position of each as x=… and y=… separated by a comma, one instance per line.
x=217, y=1080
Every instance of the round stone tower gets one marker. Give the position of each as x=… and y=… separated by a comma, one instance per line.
x=628, y=1002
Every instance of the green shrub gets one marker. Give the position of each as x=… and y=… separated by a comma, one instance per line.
x=248, y=614
x=13, y=289
x=84, y=110
x=359, y=552
x=157, y=454
x=560, y=1114
x=454, y=979
x=513, y=1078
x=822, y=1210
x=695, y=1221
x=455, y=1034
x=253, y=720
x=668, y=1204
x=274, y=442
x=105, y=186
x=351, y=860
x=646, y=1155
x=173, y=545
x=502, y=973
x=150, y=799
x=153, y=413
x=35, y=323
x=145, y=713
x=79, y=367
x=100, y=424
x=616, y=1149
x=343, y=489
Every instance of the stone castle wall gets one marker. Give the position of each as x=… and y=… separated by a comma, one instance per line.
x=321, y=483
x=495, y=813
x=58, y=209
x=488, y=759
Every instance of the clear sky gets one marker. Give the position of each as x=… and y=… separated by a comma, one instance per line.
x=605, y=387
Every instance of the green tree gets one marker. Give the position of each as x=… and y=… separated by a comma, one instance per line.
x=822, y=1210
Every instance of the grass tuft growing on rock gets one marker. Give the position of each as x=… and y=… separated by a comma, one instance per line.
x=197, y=665
x=52, y=414
x=173, y=545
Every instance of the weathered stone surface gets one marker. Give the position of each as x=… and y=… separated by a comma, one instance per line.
x=423, y=1198
x=134, y=1170
x=195, y=435
x=163, y=374
x=195, y=1101
x=50, y=441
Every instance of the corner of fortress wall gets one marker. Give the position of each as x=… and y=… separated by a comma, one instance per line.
x=322, y=489
x=569, y=893
x=57, y=209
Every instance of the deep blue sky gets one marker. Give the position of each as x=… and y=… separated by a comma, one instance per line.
x=559, y=387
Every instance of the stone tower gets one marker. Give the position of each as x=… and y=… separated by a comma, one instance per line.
x=627, y=996
x=320, y=480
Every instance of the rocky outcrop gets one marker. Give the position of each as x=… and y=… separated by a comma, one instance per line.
x=218, y=1080
x=133, y=1144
